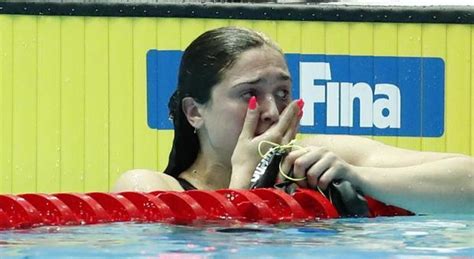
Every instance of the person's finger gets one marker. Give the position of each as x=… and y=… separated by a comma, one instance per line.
x=317, y=171
x=288, y=165
x=338, y=171
x=301, y=162
x=328, y=177
x=251, y=119
x=291, y=132
x=286, y=118
x=305, y=161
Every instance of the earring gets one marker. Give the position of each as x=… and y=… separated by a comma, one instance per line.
x=195, y=130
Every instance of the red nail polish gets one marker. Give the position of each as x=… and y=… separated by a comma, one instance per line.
x=300, y=103
x=253, y=103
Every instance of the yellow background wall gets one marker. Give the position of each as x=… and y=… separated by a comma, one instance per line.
x=73, y=89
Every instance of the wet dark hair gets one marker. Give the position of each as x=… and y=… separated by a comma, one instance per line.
x=203, y=65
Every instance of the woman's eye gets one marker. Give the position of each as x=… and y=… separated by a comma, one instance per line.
x=283, y=94
x=247, y=95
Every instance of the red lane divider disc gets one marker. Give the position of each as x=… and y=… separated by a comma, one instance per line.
x=20, y=213
x=185, y=209
x=117, y=206
x=282, y=204
x=152, y=208
x=52, y=210
x=87, y=210
x=315, y=204
x=378, y=208
x=216, y=206
x=4, y=222
x=250, y=206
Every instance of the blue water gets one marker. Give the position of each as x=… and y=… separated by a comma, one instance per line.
x=419, y=236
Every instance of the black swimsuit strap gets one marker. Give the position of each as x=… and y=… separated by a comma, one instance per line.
x=185, y=184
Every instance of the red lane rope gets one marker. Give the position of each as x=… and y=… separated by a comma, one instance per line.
x=257, y=205
x=315, y=204
x=86, y=209
x=153, y=209
x=52, y=210
x=249, y=205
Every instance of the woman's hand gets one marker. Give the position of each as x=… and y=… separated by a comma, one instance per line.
x=246, y=156
x=318, y=166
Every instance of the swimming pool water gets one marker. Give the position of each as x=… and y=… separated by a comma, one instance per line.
x=424, y=236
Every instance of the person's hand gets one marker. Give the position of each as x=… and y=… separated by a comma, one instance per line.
x=317, y=167
x=246, y=156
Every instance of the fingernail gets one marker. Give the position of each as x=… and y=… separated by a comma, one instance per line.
x=253, y=103
x=300, y=103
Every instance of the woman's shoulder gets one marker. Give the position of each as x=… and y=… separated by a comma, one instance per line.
x=145, y=180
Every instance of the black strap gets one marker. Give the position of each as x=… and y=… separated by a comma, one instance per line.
x=185, y=184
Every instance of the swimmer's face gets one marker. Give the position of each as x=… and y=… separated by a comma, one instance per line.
x=260, y=72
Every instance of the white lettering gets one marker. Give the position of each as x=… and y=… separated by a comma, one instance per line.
x=346, y=113
x=391, y=104
x=381, y=110
x=310, y=71
x=332, y=119
x=363, y=92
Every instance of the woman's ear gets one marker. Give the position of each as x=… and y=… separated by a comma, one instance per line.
x=191, y=111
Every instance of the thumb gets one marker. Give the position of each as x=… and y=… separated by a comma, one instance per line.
x=251, y=119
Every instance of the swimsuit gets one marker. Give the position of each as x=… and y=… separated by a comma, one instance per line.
x=185, y=184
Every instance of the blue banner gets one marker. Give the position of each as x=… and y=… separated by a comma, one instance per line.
x=359, y=95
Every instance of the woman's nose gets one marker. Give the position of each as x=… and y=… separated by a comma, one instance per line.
x=269, y=109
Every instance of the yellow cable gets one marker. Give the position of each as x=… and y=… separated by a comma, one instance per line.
x=277, y=147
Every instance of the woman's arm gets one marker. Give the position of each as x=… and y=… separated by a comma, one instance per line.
x=439, y=186
x=423, y=182
x=361, y=151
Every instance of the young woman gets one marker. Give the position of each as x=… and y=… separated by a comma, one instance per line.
x=234, y=91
